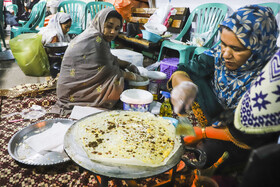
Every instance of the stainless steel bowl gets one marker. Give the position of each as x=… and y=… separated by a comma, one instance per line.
x=58, y=47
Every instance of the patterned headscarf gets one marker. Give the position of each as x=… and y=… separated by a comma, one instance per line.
x=256, y=28
x=258, y=111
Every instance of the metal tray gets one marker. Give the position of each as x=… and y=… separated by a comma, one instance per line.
x=79, y=156
x=22, y=153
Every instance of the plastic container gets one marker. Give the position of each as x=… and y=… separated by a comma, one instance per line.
x=166, y=109
x=156, y=79
x=168, y=66
x=139, y=85
x=136, y=100
x=152, y=37
x=129, y=56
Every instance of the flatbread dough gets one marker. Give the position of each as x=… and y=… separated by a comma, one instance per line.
x=128, y=137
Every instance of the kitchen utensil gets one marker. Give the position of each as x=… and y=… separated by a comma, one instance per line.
x=184, y=126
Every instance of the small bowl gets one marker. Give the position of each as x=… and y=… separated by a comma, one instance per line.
x=152, y=37
x=136, y=100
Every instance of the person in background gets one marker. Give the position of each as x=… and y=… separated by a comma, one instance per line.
x=28, y=8
x=90, y=75
x=20, y=5
x=218, y=78
x=57, y=29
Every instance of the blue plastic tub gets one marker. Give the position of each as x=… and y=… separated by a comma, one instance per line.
x=152, y=37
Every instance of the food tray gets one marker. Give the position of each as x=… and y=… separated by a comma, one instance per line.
x=22, y=153
x=79, y=156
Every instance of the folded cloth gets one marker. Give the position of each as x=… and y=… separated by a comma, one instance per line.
x=79, y=112
x=51, y=139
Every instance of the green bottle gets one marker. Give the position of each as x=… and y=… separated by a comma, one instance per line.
x=166, y=109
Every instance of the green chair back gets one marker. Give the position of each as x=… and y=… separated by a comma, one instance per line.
x=76, y=9
x=274, y=6
x=36, y=19
x=1, y=11
x=1, y=25
x=92, y=8
x=12, y=7
x=203, y=20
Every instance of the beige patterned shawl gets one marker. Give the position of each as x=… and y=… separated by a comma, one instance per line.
x=90, y=74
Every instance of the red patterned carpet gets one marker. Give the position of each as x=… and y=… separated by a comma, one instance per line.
x=13, y=173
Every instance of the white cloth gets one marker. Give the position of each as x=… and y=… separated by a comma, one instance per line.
x=79, y=112
x=51, y=139
x=54, y=29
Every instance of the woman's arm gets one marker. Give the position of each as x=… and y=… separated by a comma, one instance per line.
x=129, y=66
x=123, y=64
x=132, y=77
x=213, y=133
x=179, y=77
x=54, y=39
x=207, y=132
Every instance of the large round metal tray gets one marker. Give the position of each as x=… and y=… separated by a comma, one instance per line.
x=79, y=156
x=26, y=155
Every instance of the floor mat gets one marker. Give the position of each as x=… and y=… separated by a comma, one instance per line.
x=13, y=173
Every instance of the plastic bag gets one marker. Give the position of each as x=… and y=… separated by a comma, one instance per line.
x=199, y=39
x=30, y=54
x=158, y=21
x=123, y=7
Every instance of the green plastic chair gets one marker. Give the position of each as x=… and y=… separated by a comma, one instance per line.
x=274, y=6
x=1, y=25
x=92, y=8
x=12, y=7
x=76, y=9
x=204, y=18
x=36, y=19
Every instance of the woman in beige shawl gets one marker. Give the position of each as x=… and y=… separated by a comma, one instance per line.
x=90, y=75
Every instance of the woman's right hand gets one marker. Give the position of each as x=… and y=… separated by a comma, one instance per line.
x=133, y=77
x=183, y=95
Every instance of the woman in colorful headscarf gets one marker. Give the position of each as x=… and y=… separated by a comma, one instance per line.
x=90, y=75
x=57, y=29
x=223, y=74
x=218, y=78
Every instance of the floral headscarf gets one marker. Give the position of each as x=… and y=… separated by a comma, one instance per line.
x=256, y=28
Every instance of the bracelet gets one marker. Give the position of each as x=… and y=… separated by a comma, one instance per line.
x=203, y=132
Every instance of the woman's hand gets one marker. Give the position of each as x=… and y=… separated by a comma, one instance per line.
x=183, y=95
x=133, y=68
x=133, y=77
